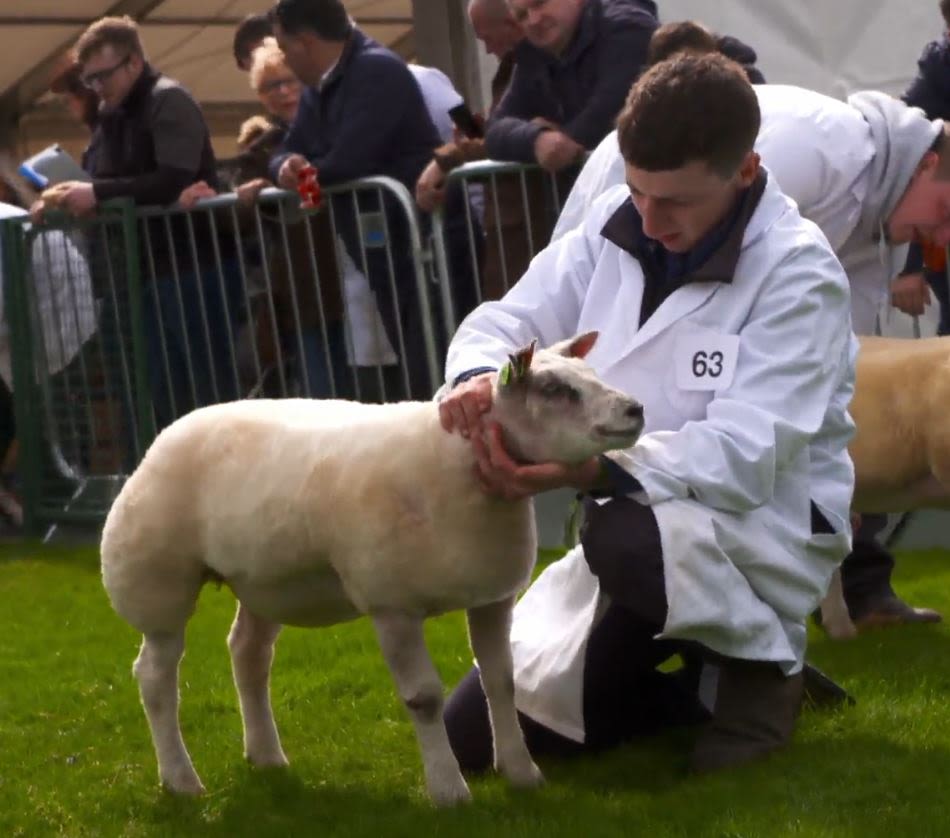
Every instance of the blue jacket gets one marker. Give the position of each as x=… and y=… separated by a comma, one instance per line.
x=367, y=118
x=581, y=90
x=930, y=90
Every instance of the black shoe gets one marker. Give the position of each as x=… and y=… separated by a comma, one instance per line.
x=821, y=692
x=891, y=610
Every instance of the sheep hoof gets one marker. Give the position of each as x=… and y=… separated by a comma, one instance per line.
x=523, y=775
x=188, y=784
x=269, y=759
x=451, y=793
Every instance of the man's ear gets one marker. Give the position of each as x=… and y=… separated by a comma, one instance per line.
x=749, y=169
x=928, y=163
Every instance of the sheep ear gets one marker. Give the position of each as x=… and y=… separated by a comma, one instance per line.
x=518, y=364
x=576, y=347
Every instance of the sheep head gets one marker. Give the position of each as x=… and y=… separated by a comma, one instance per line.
x=552, y=407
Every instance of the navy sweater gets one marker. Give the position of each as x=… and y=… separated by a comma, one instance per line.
x=583, y=89
x=368, y=117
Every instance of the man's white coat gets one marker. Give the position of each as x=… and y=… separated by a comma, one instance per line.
x=729, y=464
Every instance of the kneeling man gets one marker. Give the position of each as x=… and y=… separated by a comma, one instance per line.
x=727, y=315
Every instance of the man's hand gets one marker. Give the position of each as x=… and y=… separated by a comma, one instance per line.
x=247, y=192
x=499, y=475
x=78, y=198
x=463, y=408
x=287, y=176
x=37, y=211
x=555, y=151
x=430, y=188
x=911, y=294
x=545, y=123
x=198, y=191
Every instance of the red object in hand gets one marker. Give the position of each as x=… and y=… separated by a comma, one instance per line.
x=935, y=257
x=308, y=187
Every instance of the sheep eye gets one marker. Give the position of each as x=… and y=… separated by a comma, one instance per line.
x=560, y=390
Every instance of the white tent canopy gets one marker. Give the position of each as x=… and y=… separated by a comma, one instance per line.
x=834, y=46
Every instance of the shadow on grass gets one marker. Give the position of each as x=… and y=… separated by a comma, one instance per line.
x=80, y=556
x=815, y=788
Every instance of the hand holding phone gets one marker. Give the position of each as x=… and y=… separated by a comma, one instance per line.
x=466, y=122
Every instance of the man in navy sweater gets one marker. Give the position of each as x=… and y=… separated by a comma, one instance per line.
x=573, y=72
x=361, y=114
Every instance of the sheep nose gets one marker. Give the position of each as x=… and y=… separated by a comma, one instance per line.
x=634, y=411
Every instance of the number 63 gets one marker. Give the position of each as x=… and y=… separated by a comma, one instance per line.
x=707, y=363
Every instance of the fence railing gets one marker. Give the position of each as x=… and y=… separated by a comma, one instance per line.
x=122, y=322
x=508, y=211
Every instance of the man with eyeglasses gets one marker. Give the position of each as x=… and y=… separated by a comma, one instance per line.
x=153, y=142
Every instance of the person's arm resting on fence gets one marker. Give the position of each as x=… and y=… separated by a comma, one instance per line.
x=178, y=131
x=616, y=71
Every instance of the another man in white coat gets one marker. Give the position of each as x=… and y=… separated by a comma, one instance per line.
x=871, y=173
x=727, y=315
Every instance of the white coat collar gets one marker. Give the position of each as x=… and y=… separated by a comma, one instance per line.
x=771, y=206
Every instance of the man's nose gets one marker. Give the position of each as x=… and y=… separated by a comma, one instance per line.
x=649, y=218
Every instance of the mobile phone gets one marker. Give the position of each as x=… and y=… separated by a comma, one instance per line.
x=465, y=121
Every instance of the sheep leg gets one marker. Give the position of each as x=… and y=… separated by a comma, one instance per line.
x=156, y=669
x=251, y=643
x=403, y=644
x=489, y=628
x=835, y=618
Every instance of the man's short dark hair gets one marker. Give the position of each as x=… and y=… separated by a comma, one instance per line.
x=690, y=108
x=672, y=38
x=945, y=11
x=250, y=32
x=327, y=19
x=120, y=33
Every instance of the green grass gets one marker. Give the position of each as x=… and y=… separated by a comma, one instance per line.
x=76, y=759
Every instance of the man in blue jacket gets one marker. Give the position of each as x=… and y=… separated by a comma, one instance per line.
x=362, y=114
x=573, y=72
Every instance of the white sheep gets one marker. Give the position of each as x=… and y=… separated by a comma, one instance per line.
x=317, y=512
x=901, y=448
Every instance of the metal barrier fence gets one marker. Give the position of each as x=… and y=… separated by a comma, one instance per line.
x=519, y=207
x=71, y=291
x=121, y=323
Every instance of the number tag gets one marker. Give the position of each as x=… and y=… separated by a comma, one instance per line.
x=705, y=360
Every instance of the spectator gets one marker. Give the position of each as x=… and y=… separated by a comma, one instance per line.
x=440, y=97
x=153, y=142
x=715, y=535
x=507, y=250
x=248, y=36
x=572, y=72
x=300, y=311
x=671, y=38
x=362, y=114
x=929, y=91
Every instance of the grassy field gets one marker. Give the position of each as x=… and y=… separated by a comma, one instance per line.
x=76, y=759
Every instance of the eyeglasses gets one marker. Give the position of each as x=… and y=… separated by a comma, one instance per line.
x=276, y=84
x=98, y=78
